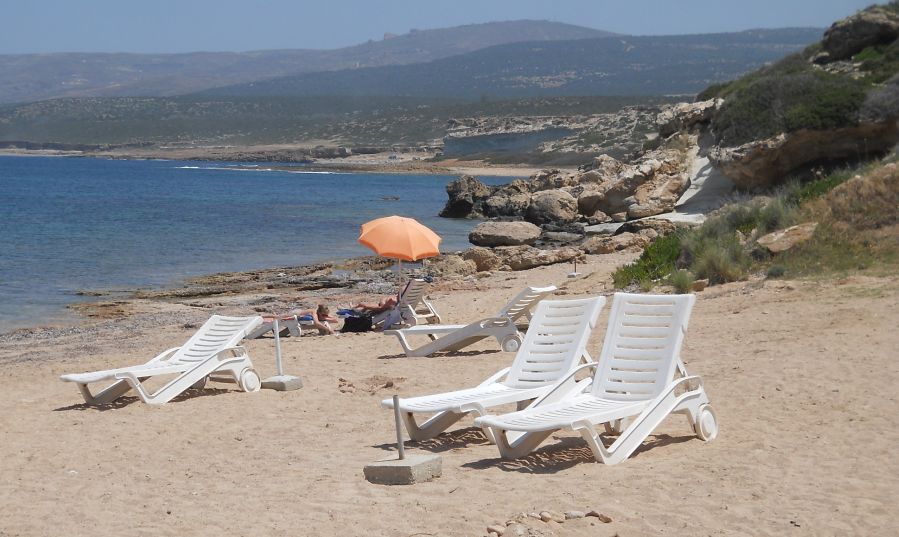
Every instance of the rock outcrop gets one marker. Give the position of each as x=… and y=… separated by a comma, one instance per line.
x=528, y=257
x=504, y=234
x=766, y=163
x=847, y=37
x=611, y=189
x=684, y=116
x=464, y=195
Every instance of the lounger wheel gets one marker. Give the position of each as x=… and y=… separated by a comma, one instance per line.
x=511, y=343
x=706, y=426
x=200, y=384
x=249, y=380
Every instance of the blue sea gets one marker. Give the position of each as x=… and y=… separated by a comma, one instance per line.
x=71, y=224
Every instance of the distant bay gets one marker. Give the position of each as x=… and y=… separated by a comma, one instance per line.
x=69, y=224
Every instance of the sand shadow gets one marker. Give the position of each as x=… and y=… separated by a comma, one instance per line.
x=127, y=400
x=566, y=453
x=451, y=354
x=457, y=439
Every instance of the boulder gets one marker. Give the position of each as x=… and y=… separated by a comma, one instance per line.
x=783, y=240
x=451, y=265
x=528, y=257
x=465, y=194
x=650, y=227
x=560, y=236
x=849, y=36
x=604, y=244
x=552, y=206
x=765, y=163
x=504, y=234
x=658, y=195
x=483, y=258
x=551, y=180
x=684, y=116
x=503, y=203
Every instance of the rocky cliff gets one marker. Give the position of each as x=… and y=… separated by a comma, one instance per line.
x=837, y=100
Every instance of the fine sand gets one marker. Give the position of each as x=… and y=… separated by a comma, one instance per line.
x=802, y=375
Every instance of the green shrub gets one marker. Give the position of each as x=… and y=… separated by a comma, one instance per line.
x=776, y=214
x=656, y=262
x=719, y=261
x=790, y=99
x=775, y=271
x=682, y=280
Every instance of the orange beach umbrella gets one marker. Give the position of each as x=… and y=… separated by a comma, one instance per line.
x=399, y=238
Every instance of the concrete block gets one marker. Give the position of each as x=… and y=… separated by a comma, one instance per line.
x=282, y=383
x=414, y=468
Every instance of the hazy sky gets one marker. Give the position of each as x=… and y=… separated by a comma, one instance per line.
x=238, y=25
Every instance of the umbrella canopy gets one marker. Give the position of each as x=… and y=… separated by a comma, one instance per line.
x=399, y=238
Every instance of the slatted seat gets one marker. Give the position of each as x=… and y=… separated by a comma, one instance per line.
x=455, y=337
x=212, y=349
x=556, y=341
x=639, y=377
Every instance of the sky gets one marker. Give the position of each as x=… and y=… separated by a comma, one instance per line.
x=165, y=26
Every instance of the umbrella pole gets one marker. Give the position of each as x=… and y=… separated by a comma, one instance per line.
x=278, y=367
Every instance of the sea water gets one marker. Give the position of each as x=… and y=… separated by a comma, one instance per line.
x=73, y=224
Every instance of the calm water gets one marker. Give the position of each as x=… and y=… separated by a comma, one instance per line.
x=71, y=224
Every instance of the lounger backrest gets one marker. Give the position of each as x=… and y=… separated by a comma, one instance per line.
x=642, y=345
x=414, y=290
x=216, y=334
x=555, y=341
x=523, y=304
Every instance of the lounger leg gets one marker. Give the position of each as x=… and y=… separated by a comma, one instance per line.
x=435, y=425
x=516, y=445
x=107, y=395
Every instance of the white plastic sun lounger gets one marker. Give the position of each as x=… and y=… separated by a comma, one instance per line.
x=213, y=349
x=453, y=337
x=288, y=325
x=412, y=308
x=554, y=344
x=634, y=381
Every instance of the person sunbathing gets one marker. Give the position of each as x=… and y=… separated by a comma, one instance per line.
x=321, y=318
x=387, y=303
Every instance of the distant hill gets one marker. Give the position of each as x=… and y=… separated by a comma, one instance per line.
x=33, y=77
x=621, y=65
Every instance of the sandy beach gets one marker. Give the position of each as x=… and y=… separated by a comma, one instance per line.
x=801, y=373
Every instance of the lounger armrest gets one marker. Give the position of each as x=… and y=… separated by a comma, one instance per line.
x=164, y=355
x=495, y=377
x=237, y=350
x=565, y=386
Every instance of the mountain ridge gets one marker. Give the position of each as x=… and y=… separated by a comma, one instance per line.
x=615, y=65
x=34, y=77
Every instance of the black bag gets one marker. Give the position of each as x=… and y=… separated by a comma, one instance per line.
x=362, y=323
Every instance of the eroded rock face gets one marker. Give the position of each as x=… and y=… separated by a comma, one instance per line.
x=528, y=257
x=683, y=116
x=452, y=266
x=465, y=193
x=851, y=35
x=765, y=163
x=483, y=258
x=504, y=234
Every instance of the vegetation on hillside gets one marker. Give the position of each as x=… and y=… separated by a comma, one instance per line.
x=858, y=229
x=623, y=65
x=271, y=120
x=797, y=93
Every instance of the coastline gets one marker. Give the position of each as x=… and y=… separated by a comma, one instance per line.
x=274, y=157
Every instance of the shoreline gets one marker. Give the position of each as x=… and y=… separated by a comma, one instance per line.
x=383, y=163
